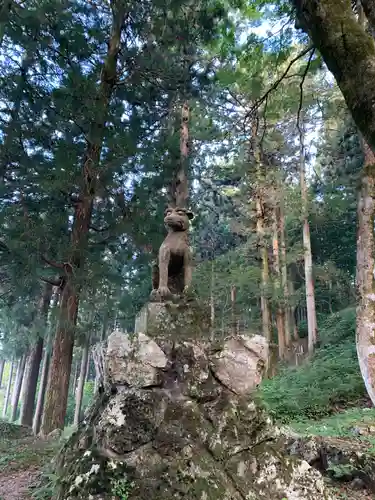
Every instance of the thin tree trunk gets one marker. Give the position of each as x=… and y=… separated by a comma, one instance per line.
x=277, y=282
x=87, y=375
x=365, y=334
x=309, y=279
x=233, y=293
x=42, y=388
x=284, y=274
x=61, y=362
x=75, y=377
x=212, y=294
x=292, y=311
x=34, y=360
x=260, y=231
x=2, y=365
x=179, y=187
x=45, y=368
x=81, y=381
x=7, y=392
x=17, y=388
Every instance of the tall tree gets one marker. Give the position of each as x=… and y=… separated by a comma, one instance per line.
x=34, y=359
x=58, y=381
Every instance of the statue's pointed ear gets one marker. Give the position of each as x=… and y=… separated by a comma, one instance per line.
x=190, y=214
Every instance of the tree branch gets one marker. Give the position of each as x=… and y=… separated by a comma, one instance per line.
x=52, y=263
x=51, y=282
x=274, y=86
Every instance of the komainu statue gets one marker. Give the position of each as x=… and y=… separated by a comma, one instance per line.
x=172, y=274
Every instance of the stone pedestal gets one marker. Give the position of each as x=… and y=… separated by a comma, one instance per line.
x=183, y=320
x=181, y=423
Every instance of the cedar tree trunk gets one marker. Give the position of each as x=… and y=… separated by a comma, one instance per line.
x=17, y=388
x=61, y=362
x=365, y=335
x=2, y=365
x=34, y=360
x=7, y=392
x=309, y=279
x=81, y=381
x=349, y=52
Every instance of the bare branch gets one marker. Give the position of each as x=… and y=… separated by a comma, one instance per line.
x=52, y=263
x=51, y=282
x=274, y=86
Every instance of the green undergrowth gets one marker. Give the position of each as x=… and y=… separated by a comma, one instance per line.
x=356, y=423
x=20, y=450
x=329, y=381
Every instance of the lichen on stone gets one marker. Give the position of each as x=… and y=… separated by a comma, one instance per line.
x=189, y=436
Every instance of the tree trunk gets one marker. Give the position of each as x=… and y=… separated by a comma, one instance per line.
x=233, y=293
x=309, y=278
x=280, y=322
x=260, y=231
x=75, y=376
x=365, y=334
x=17, y=388
x=45, y=369
x=349, y=53
x=34, y=360
x=7, y=392
x=42, y=388
x=212, y=294
x=81, y=381
x=2, y=365
x=292, y=311
x=284, y=273
x=179, y=187
x=87, y=374
x=61, y=362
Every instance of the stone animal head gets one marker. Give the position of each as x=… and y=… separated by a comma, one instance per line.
x=177, y=219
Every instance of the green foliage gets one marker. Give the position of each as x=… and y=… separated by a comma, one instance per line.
x=331, y=378
x=342, y=424
x=121, y=489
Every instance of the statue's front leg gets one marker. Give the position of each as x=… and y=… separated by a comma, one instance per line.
x=164, y=257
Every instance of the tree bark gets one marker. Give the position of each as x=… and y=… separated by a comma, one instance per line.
x=179, y=187
x=280, y=322
x=292, y=311
x=81, y=381
x=34, y=360
x=42, y=388
x=349, y=53
x=309, y=278
x=7, y=392
x=365, y=334
x=61, y=362
x=284, y=273
x=369, y=9
x=260, y=207
x=212, y=296
x=17, y=388
x=45, y=369
x=2, y=365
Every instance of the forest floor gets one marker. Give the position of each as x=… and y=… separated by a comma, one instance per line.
x=355, y=427
x=24, y=458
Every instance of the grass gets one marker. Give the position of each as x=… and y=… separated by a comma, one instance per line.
x=331, y=380
x=353, y=423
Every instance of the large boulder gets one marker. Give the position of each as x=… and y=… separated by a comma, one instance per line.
x=176, y=423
